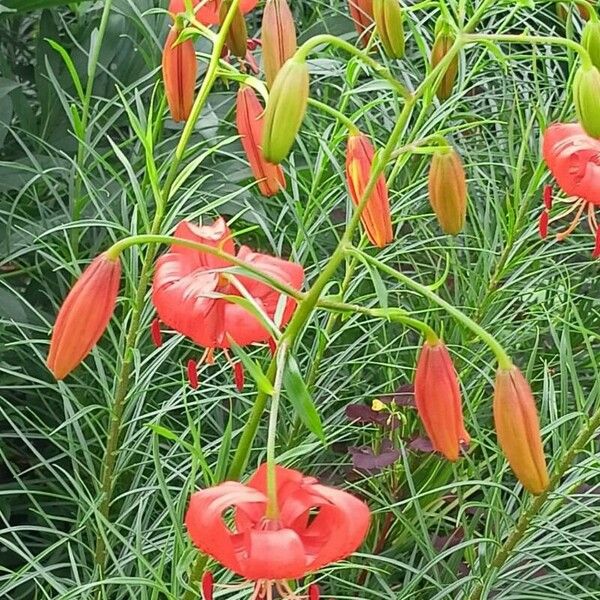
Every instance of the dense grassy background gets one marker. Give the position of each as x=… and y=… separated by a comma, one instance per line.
x=539, y=298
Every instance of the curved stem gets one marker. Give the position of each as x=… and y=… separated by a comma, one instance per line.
x=272, y=510
x=134, y=240
x=504, y=360
x=124, y=376
x=336, y=114
x=532, y=39
x=581, y=441
x=331, y=40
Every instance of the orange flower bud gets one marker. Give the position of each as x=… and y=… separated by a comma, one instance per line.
x=438, y=400
x=285, y=110
x=376, y=218
x=179, y=75
x=278, y=37
x=518, y=429
x=237, y=36
x=389, y=19
x=84, y=315
x=448, y=190
x=361, y=12
x=249, y=121
x=562, y=12
x=444, y=40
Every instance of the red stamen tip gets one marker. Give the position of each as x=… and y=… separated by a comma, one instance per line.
x=207, y=585
x=155, y=332
x=548, y=196
x=543, y=224
x=314, y=593
x=272, y=346
x=238, y=375
x=596, y=252
x=192, y=373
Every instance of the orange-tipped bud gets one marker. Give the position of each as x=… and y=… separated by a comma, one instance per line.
x=438, y=400
x=179, y=75
x=237, y=36
x=448, y=190
x=375, y=217
x=285, y=110
x=84, y=315
x=563, y=12
x=444, y=40
x=249, y=121
x=278, y=37
x=518, y=429
x=361, y=12
x=389, y=19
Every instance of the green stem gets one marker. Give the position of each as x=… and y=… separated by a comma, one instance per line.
x=336, y=114
x=532, y=39
x=272, y=510
x=331, y=40
x=116, y=249
x=522, y=525
x=124, y=376
x=504, y=360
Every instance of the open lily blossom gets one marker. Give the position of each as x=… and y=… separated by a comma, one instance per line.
x=189, y=289
x=208, y=11
x=317, y=525
x=573, y=157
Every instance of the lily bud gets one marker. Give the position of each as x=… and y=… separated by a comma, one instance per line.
x=84, y=315
x=285, y=110
x=590, y=40
x=179, y=75
x=448, y=190
x=562, y=12
x=518, y=429
x=438, y=400
x=237, y=36
x=444, y=40
x=389, y=19
x=250, y=122
x=375, y=217
x=278, y=35
x=586, y=95
x=361, y=12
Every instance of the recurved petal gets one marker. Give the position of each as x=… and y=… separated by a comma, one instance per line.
x=205, y=525
x=217, y=235
x=184, y=297
x=343, y=513
x=272, y=554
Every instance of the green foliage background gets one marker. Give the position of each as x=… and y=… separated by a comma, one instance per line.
x=539, y=298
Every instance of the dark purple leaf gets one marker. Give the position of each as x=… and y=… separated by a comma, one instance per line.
x=403, y=396
x=421, y=444
x=440, y=542
x=364, y=459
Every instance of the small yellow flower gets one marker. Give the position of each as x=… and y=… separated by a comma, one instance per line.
x=378, y=405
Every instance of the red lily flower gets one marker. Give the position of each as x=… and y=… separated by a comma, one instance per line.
x=188, y=288
x=208, y=13
x=573, y=157
x=271, y=551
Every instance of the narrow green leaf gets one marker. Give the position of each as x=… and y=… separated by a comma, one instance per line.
x=253, y=368
x=301, y=399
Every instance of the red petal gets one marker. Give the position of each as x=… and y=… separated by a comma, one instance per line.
x=314, y=593
x=217, y=235
x=273, y=554
x=204, y=520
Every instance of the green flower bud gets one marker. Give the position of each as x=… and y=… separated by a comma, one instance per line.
x=389, y=20
x=590, y=40
x=285, y=109
x=586, y=95
x=237, y=37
